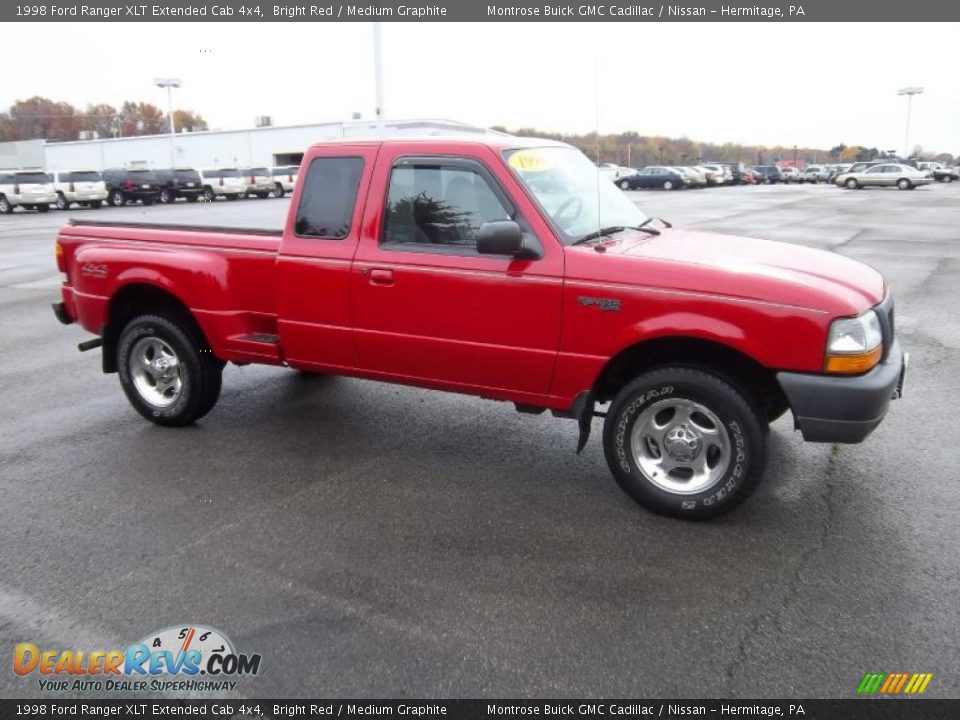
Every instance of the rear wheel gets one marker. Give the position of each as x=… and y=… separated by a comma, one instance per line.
x=166, y=197
x=167, y=371
x=904, y=184
x=946, y=179
x=208, y=195
x=278, y=191
x=5, y=207
x=116, y=198
x=668, y=184
x=684, y=442
x=62, y=202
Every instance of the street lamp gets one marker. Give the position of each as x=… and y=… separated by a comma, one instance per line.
x=169, y=84
x=909, y=92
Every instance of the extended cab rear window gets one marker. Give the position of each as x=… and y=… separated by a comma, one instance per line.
x=328, y=198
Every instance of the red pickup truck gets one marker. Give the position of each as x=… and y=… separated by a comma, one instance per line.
x=505, y=268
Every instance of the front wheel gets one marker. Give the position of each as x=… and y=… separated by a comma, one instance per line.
x=946, y=179
x=116, y=198
x=904, y=184
x=208, y=195
x=167, y=371
x=278, y=191
x=624, y=185
x=852, y=184
x=684, y=442
x=5, y=207
x=668, y=184
x=62, y=202
x=165, y=197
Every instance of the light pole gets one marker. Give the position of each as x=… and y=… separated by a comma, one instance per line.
x=909, y=92
x=378, y=76
x=169, y=84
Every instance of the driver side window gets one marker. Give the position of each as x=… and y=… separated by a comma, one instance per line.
x=437, y=204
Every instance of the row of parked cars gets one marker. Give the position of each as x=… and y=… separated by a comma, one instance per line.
x=675, y=177
x=39, y=190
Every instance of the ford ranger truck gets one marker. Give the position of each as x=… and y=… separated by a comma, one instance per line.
x=502, y=267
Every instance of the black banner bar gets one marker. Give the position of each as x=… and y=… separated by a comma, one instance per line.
x=629, y=709
x=481, y=11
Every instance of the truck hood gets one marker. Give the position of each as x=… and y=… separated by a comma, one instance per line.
x=743, y=267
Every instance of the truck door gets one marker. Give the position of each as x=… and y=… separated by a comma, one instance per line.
x=313, y=266
x=428, y=308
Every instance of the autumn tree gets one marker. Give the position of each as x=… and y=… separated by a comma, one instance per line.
x=187, y=119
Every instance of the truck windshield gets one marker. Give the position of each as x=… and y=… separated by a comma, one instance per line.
x=571, y=191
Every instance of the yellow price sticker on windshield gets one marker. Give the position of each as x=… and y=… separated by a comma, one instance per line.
x=529, y=161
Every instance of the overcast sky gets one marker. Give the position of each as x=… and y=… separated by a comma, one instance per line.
x=770, y=83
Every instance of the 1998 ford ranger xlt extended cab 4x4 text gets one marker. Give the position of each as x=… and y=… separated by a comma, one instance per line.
x=502, y=267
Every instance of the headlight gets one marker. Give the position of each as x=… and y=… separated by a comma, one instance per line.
x=854, y=345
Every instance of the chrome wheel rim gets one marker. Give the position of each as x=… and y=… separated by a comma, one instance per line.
x=4, y=204
x=156, y=371
x=668, y=185
x=61, y=202
x=680, y=446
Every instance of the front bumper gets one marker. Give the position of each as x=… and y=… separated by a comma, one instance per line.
x=830, y=408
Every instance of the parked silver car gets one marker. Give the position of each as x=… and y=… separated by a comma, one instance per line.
x=903, y=177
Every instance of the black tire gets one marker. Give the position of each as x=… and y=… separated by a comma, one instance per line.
x=851, y=184
x=62, y=202
x=43, y=207
x=739, y=421
x=165, y=197
x=209, y=195
x=95, y=204
x=278, y=191
x=5, y=207
x=201, y=373
x=904, y=184
x=116, y=198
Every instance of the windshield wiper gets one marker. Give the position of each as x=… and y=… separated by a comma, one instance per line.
x=602, y=232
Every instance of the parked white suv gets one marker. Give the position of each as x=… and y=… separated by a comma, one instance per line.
x=30, y=189
x=791, y=175
x=259, y=182
x=223, y=182
x=284, y=179
x=85, y=187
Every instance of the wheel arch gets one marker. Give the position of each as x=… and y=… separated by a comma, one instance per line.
x=140, y=298
x=753, y=378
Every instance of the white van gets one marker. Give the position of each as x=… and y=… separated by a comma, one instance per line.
x=30, y=189
x=85, y=187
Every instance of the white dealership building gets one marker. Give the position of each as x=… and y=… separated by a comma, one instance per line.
x=254, y=147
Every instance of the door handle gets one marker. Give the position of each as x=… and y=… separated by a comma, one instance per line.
x=381, y=277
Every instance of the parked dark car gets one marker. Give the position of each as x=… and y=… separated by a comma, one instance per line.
x=769, y=173
x=655, y=176
x=179, y=182
x=125, y=186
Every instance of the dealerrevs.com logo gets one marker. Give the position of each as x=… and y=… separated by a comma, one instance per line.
x=178, y=659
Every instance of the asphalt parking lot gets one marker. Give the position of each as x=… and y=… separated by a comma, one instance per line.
x=370, y=540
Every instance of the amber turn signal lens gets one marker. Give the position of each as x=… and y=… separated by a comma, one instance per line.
x=853, y=364
x=61, y=263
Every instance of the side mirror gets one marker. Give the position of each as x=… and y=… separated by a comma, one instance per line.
x=503, y=237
